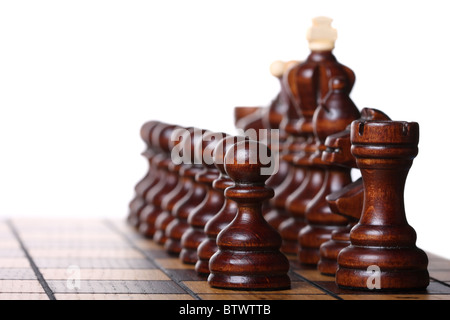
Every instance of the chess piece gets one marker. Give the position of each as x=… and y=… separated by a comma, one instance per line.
x=383, y=255
x=168, y=180
x=309, y=85
x=333, y=115
x=151, y=177
x=248, y=257
x=196, y=194
x=290, y=177
x=212, y=202
x=226, y=214
x=249, y=117
x=276, y=119
x=279, y=107
x=346, y=202
x=171, y=199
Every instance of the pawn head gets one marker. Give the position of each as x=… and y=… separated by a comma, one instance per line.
x=221, y=149
x=249, y=162
x=208, y=144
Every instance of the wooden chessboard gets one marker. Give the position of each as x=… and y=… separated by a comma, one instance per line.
x=105, y=259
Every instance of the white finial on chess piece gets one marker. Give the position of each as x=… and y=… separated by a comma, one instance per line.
x=321, y=35
x=279, y=67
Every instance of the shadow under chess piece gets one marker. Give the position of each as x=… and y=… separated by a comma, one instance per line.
x=249, y=256
x=383, y=255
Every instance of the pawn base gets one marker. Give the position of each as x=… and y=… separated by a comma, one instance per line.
x=249, y=282
x=382, y=269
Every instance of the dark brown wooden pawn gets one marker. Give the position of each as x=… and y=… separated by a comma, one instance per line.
x=168, y=181
x=226, y=214
x=150, y=179
x=292, y=176
x=248, y=257
x=333, y=115
x=212, y=203
x=383, y=255
x=170, y=200
x=196, y=194
x=347, y=202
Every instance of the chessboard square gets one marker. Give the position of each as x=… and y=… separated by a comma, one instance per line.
x=33, y=222
x=146, y=244
x=63, y=236
x=173, y=263
x=23, y=296
x=17, y=274
x=11, y=253
x=313, y=275
x=94, y=263
x=117, y=296
x=105, y=274
x=14, y=263
x=438, y=264
x=185, y=275
x=20, y=286
x=297, y=287
x=396, y=297
x=76, y=244
x=441, y=275
x=433, y=288
x=263, y=296
x=117, y=287
x=127, y=253
x=10, y=244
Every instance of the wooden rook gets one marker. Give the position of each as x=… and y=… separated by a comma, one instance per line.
x=167, y=181
x=150, y=179
x=208, y=246
x=346, y=202
x=196, y=194
x=383, y=255
x=248, y=256
x=172, y=198
x=212, y=203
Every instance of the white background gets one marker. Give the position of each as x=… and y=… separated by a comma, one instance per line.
x=79, y=78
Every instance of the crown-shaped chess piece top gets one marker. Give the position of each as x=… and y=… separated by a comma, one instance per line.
x=309, y=81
